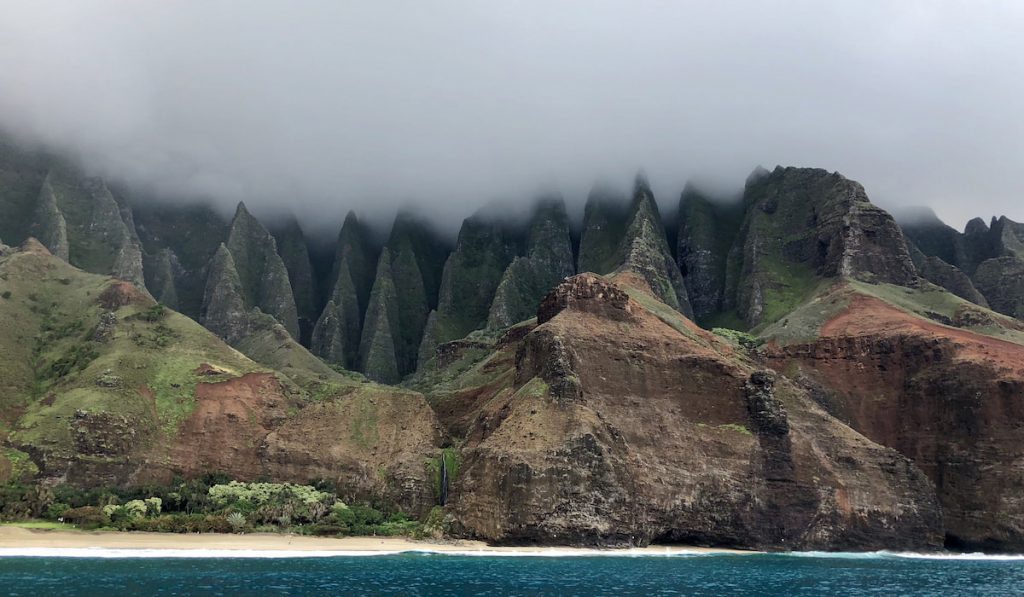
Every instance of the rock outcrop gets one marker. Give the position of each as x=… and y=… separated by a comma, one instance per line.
x=547, y=262
x=623, y=428
x=803, y=224
x=79, y=220
x=631, y=239
x=160, y=275
x=261, y=271
x=378, y=355
x=940, y=273
x=417, y=259
x=49, y=226
x=291, y=246
x=338, y=330
x=224, y=311
x=192, y=234
x=471, y=276
x=706, y=232
x=991, y=257
x=949, y=399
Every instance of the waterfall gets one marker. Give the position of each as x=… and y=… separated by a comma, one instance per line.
x=444, y=480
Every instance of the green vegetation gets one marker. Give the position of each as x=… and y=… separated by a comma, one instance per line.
x=739, y=338
x=742, y=429
x=210, y=504
x=452, y=461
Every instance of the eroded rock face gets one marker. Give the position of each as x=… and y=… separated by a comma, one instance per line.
x=49, y=226
x=622, y=428
x=940, y=273
x=991, y=257
x=224, y=311
x=706, y=232
x=291, y=245
x=261, y=271
x=802, y=224
x=338, y=330
x=547, y=262
x=378, y=355
x=470, y=279
x=616, y=238
x=948, y=399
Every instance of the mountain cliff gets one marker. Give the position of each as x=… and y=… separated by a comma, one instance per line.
x=856, y=383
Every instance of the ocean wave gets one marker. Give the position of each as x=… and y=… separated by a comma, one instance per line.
x=868, y=555
x=113, y=552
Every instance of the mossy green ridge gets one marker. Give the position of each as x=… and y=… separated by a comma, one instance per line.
x=604, y=225
x=22, y=172
x=417, y=259
x=631, y=238
x=224, y=311
x=48, y=224
x=378, y=360
x=547, y=262
x=941, y=273
x=989, y=256
x=707, y=230
x=90, y=366
x=264, y=277
x=484, y=249
x=338, y=330
x=801, y=225
x=191, y=233
x=159, y=270
x=294, y=251
x=98, y=238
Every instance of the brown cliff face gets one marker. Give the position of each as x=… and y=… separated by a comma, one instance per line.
x=373, y=445
x=623, y=427
x=949, y=399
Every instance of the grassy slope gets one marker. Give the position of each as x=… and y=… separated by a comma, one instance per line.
x=803, y=324
x=144, y=376
x=50, y=367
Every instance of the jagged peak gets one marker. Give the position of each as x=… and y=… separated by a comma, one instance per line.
x=241, y=211
x=757, y=174
x=976, y=226
x=918, y=215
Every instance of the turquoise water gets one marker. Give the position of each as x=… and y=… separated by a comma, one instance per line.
x=431, y=574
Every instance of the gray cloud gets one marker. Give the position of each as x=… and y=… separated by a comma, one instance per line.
x=326, y=106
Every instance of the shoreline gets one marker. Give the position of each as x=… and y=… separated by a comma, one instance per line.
x=26, y=541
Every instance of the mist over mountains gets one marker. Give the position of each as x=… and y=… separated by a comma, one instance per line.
x=331, y=107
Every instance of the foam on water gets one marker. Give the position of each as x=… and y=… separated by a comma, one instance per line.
x=106, y=552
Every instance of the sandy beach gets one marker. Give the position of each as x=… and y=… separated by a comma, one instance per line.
x=14, y=539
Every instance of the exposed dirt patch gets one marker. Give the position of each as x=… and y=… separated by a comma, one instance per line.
x=867, y=315
x=121, y=294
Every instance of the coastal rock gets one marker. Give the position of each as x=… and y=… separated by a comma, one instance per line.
x=947, y=399
x=662, y=436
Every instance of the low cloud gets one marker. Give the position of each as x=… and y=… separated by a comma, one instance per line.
x=321, y=107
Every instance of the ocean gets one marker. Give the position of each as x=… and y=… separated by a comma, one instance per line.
x=141, y=572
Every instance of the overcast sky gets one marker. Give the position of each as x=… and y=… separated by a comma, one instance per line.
x=326, y=106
